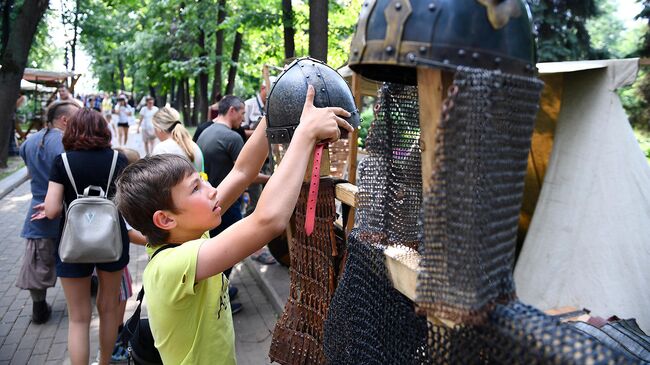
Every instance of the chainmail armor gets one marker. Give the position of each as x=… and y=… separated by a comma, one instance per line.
x=315, y=265
x=516, y=333
x=470, y=215
x=369, y=321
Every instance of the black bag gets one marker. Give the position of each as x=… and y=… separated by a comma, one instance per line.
x=136, y=335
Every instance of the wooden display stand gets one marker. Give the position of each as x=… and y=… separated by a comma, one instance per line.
x=402, y=263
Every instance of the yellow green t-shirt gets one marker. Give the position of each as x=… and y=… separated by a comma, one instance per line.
x=190, y=322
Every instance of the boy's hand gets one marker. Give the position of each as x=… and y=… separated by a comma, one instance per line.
x=322, y=124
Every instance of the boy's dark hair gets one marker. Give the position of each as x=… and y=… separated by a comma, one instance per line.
x=145, y=187
x=229, y=101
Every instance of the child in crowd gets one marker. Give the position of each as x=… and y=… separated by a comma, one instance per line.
x=165, y=198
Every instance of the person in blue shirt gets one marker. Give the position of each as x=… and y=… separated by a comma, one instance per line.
x=38, y=271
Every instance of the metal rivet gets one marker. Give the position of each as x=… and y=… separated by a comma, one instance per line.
x=529, y=67
x=475, y=55
x=423, y=49
x=355, y=51
x=432, y=6
x=497, y=60
x=461, y=52
x=445, y=61
x=398, y=6
x=389, y=49
x=322, y=89
x=318, y=75
x=307, y=76
x=411, y=57
x=365, y=4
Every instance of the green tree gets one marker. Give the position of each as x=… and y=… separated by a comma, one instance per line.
x=561, y=31
x=18, y=24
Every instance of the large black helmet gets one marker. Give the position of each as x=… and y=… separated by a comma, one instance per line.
x=287, y=97
x=395, y=36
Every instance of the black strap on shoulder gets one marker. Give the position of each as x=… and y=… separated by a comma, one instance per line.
x=132, y=322
x=141, y=293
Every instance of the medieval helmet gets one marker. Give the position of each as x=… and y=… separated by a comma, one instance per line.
x=287, y=97
x=395, y=36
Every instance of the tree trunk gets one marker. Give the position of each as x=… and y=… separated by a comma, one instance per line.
x=289, y=30
x=175, y=95
x=318, y=29
x=14, y=60
x=232, y=72
x=113, y=81
x=186, y=101
x=197, y=101
x=75, y=35
x=202, y=82
x=6, y=20
x=218, y=52
x=120, y=66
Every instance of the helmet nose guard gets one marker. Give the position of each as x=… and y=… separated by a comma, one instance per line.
x=393, y=37
x=287, y=97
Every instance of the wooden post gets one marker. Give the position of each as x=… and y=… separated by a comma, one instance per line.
x=430, y=95
x=353, y=144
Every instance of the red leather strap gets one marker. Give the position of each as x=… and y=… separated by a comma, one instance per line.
x=313, y=189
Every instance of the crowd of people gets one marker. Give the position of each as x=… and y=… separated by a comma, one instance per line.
x=179, y=208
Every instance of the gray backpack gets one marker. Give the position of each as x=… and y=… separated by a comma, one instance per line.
x=92, y=232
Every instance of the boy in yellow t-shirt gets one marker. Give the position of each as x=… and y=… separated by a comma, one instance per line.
x=165, y=198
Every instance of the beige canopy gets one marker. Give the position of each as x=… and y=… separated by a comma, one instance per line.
x=588, y=243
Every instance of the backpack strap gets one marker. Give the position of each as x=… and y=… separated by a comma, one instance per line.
x=69, y=172
x=134, y=320
x=110, y=175
x=141, y=293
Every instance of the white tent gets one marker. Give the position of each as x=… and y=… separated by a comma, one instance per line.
x=588, y=244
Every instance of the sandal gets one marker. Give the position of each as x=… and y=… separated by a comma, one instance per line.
x=264, y=258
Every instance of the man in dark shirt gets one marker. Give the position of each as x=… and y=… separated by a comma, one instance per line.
x=221, y=146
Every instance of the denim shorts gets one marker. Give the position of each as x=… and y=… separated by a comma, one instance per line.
x=68, y=270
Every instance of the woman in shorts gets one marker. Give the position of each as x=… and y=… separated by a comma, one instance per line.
x=145, y=125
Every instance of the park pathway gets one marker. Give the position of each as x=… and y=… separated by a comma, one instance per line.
x=22, y=342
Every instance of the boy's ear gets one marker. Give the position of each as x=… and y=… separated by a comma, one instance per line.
x=163, y=220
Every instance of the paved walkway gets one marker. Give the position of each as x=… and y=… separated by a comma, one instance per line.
x=22, y=342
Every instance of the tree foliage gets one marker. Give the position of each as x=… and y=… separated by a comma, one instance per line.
x=149, y=46
x=561, y=31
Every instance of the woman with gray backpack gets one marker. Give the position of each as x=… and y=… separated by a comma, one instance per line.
x=93, y=234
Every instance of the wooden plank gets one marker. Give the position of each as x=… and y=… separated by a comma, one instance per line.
x=403, y=263
x=324, y=164
x=347, y=194
x=430, y=97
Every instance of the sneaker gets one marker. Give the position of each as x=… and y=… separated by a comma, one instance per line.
x=236, y=307
x=120, y=354
x=41, y=312
x=232, y=292
x=264, y=257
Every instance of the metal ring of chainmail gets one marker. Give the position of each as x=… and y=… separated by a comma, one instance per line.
x=470, y=221
x=470, y=215
x=369, y=321
x=314, y=271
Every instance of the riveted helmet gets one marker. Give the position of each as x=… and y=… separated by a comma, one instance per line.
x=395, y=36
x=287, y=97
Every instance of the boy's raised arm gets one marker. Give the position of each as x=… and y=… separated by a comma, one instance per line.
x=279, y=197
x=247, y=167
